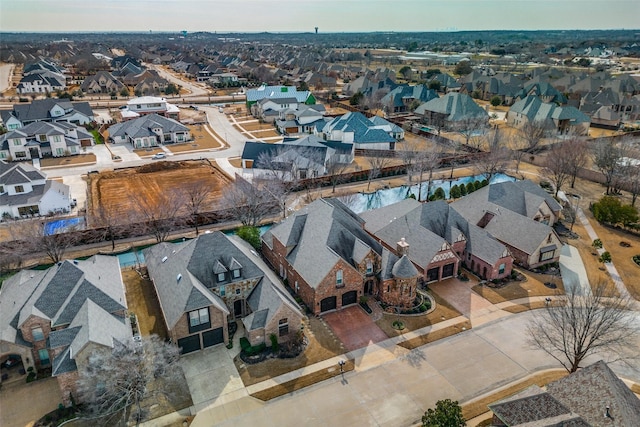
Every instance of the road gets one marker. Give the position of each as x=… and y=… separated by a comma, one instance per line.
x=396, y=392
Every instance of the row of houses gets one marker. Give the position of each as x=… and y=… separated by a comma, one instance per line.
x=331, y=256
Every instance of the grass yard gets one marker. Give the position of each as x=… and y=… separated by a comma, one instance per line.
x=301, y=382
x=322, y=345
x=256, y=126
x=202, y=140
x=85, y=158
x=442, y=312
x=531, y=287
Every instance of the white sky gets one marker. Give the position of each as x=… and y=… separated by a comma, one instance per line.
x=303, y=15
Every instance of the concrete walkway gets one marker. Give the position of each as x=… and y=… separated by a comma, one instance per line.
x=574, y=275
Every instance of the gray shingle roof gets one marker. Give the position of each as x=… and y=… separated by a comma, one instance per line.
x=456, y=106
x=142, y=126
x=39, y=109
x=364, y=130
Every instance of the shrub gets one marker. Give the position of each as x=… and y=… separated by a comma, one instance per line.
x=250, y=235
x=611, y=211
x=605, y=257
x=245, y=344
x=496, y=100
x=477, y=184
x=463, y=190
x=274, y=342
x=455, y=192
x=470, y=187
x=31, y=377
x=597, y=244
x=439, y=194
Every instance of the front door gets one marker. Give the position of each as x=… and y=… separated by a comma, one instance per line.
x=368, y=287
x=34, y=153
x=237, y=308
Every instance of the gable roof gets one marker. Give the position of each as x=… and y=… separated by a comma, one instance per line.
x=364, y=130
x=143, y=126
x=456, y=106
x=39, y=109
x=277, y=92
x=321, y=234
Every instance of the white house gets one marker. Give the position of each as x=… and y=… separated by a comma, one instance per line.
x=149, y=131
x=47, y=110
x=42, y=139
x=25, y=191
x=144, y=105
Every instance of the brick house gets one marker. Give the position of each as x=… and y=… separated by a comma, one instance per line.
x=329, y=259
x=442, y=240
x=57, y=317
x=204, y=283
x=520, y=215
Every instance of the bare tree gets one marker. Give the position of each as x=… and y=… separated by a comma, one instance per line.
x=159, y=216
x=472, y=128
x=607, y=156
x=533, y=132
x=376, y=164
x=579, y=325
x=631, y=180
x=107, y=220
x=37, y=238
x=247, y=203
x=426, y=162
x=496, y=159
x=577, y=157
x=557, y=167
x=336, y=168
x=114, y=384
x=196, y=196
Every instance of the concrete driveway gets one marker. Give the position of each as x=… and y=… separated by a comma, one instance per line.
x=23, y=404
x=354, y=327
x=212, y=377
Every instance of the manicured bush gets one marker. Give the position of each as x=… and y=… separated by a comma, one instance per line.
x=439, y=194
x=455, y=192
x=463, y=190
x=245, y=344
x=274, y=342
x=605, y=257
x=477, y=184
x=597, y=244
x=484, y=183
x=470, y=187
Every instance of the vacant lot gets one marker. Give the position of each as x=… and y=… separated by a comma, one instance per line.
x=119, y=192
x=68, y=160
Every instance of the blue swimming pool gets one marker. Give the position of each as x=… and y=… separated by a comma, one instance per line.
x=62, y=225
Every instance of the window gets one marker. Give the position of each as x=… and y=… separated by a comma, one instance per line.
x=42, y=138
x=369, y=267
x=501, y=269
x=59, y=151
x=236, y=273
x=221, y=277
x=21, y=154
x=19, y=189
x=545, y=256
x=339, y=281
x=221, y=289
x=37, y=334
x=283, y=327
x=56, y=138
x=43, y=355
x=17, y=142
x=199, y=320
x=237, y=291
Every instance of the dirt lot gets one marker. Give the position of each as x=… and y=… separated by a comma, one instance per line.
x=202, y=140
x=118, y=191
x=142, y=300
x=323, y=345
x=68, y=161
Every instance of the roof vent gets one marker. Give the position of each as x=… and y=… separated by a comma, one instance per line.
x=178, y=277
x=606, y=412
x=75, y=261
x=164, y=258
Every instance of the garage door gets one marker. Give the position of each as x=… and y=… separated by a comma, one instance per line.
x=447, y=270
x=349, y=298
x=189, y=344
x=213, y=337
x=432, y=274
x=328, y=303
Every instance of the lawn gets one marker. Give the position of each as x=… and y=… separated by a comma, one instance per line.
x=202, y=140
x=322, y=345
x=85, y=158
x=531, y=287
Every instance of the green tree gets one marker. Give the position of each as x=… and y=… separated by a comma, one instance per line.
x=447, y=413
x=610, y=210
x=432, y=72
x=463, y=190
x=438, y=194
x=124, y=91
x=172, y=89
x=406, y=72
x=435, y=85
x=303, y=86
x=356, y=98
x=496, y=100
x=250, y=235
x=455, y=192
x=471, y=187
x=463, y=68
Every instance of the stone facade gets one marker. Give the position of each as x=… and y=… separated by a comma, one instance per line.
x=68, y=387
x=27, y=333
x=399, y=292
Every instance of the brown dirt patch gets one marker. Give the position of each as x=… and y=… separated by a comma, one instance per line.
x=118, y=191
x=142, y=300
x=202, y=140
x=236, y=162
x=301, y=382
x=531, y=287
x=435, y=335
x=265, y=133
x=68, y=160
x=256, y=126
x=147, y=152
x=322, y=345
x=519, y=308
x=479, y=407
x=443, y=311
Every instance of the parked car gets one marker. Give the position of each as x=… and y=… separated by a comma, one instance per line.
x=12, y=360
x=159, y=156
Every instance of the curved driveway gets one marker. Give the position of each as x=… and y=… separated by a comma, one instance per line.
x=393, y=388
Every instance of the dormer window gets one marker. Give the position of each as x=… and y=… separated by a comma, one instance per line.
x=235, y=268
x=220, y=272
x=235, y=273
x=221, y=276
x=369, y=267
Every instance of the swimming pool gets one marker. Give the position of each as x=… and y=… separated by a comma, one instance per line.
x=62, y=225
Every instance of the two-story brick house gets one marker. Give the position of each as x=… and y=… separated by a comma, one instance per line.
x=204, y=283
x=57, y=317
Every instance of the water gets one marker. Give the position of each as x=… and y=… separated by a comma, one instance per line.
x=62, y=225
x=131, y=258
x=366, y=201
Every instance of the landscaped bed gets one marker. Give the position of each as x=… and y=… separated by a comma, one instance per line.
x=534, y=285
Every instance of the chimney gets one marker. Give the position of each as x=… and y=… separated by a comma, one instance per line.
x=403, y=247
